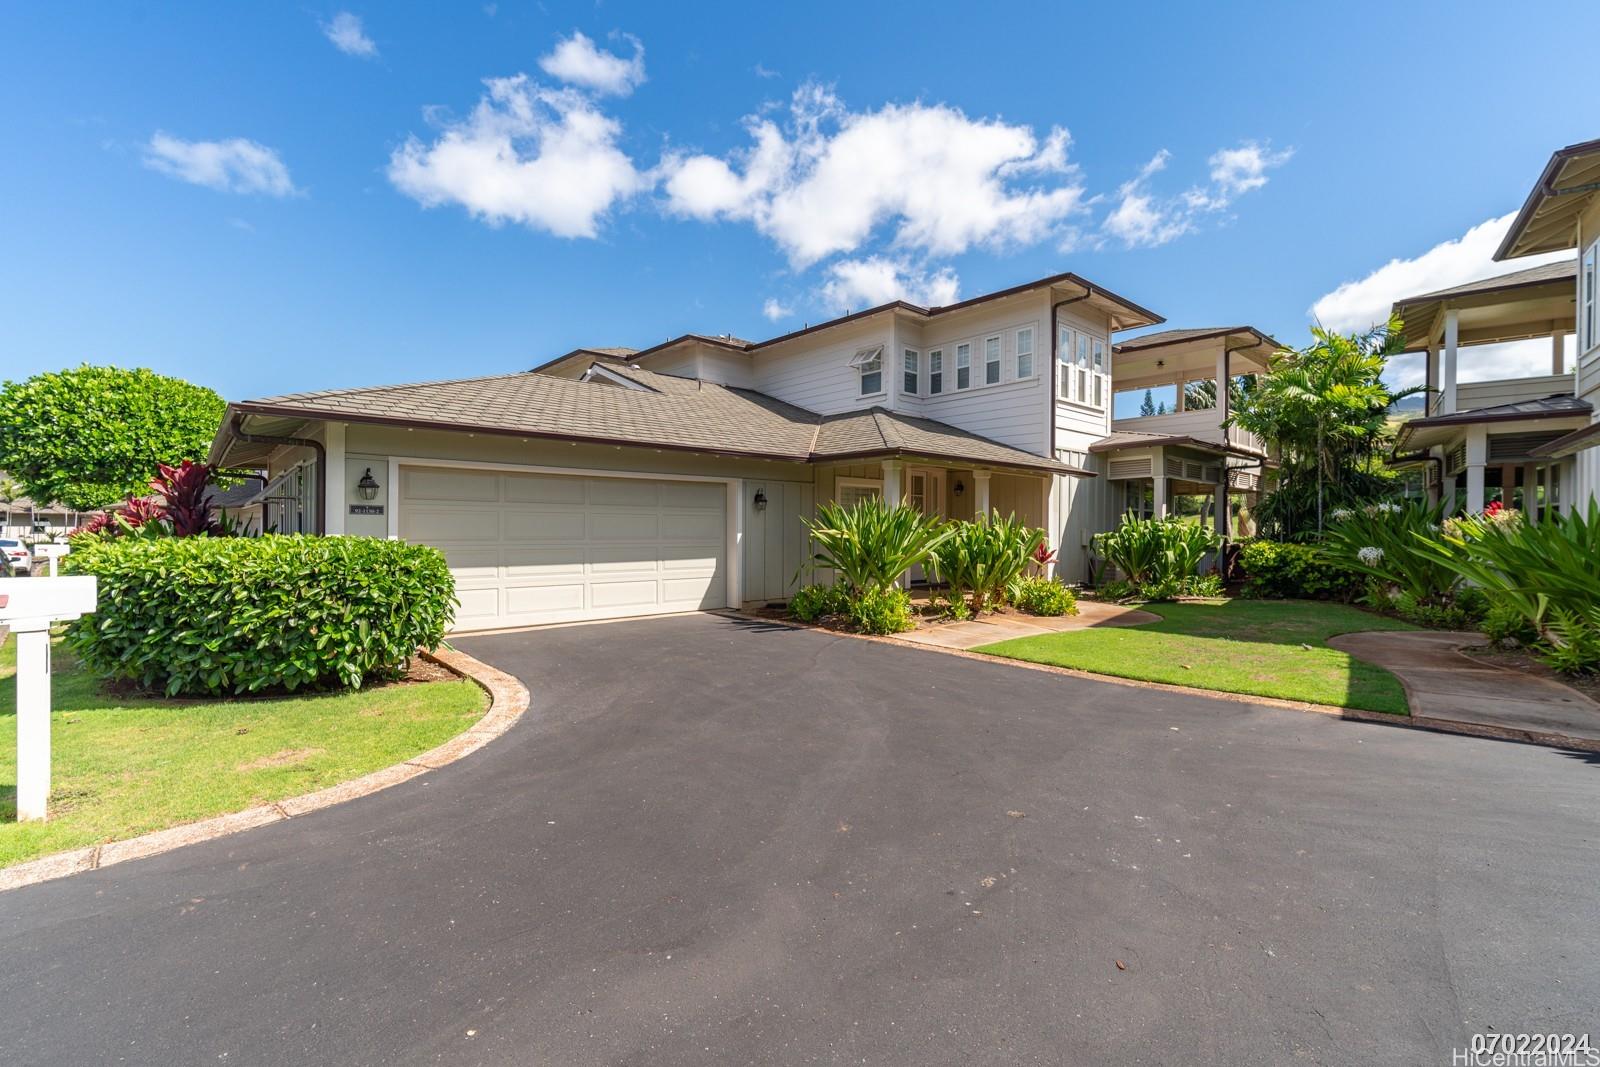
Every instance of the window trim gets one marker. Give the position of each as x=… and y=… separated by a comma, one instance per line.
x=1589, y=298
x=1080, y=381
x=910, y=371
x=935, y=372
x=868, y=363
x=843, y=482
x=964, y=353
x=997, y=363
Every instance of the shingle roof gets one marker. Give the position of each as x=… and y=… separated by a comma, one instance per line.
x=1565, y=270
x=1134, y=439
x=1557, y=406
x=668, y=412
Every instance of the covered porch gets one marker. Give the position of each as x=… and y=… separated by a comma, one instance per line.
x=1157, y=477
x=1186, y=383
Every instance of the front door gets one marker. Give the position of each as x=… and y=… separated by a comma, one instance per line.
x=925, y=492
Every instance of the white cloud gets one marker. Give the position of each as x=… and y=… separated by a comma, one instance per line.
x=856, y=284
x=826, y=179
x=765, y=72
x=233, y=166
x=348, y=36
x=1239, y=170
x=1142, y=218
x=1365, y=302
x=775, y=309
x=577, y=61
x=545, y=158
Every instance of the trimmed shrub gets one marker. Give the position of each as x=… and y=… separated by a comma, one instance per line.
x=880, y=611
x=1505, y=624
x=1280, y=569
x=810, y=603
x=1044, y=596
x=209, y=616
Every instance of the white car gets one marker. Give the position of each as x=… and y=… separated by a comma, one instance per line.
x=15, y=559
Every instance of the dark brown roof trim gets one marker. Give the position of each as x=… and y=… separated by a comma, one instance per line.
x=1444, y=295
x=1541, y=189
x=1467, y=418
x=1564, y=444
x=1133, y=343
x=892, y=452
x=1184, y=441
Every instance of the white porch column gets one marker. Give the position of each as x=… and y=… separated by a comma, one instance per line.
x=1222, y=381
x=334, y=479
x=980, y=494
x=893, y=491
x=1452, y=332
x=1558, y=352
x=1161, y=496
x=1477, y=455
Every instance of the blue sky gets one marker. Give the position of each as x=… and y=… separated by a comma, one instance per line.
x=272, y=198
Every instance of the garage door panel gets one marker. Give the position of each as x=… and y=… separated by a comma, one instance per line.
x=423, y=483
x=543, y=489
x=543, y=599
x=434, y=525
x=533, y=548
x=542, y=524
x=705, y=495
x=624, y=492
x=692, y=526
x=532, y=561
x=610, y=524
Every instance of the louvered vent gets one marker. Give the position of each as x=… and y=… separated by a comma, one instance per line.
x=1213, y=473
x=1456, y=461
x=1512, y=446
x=1174, y=467
x=1131, y=468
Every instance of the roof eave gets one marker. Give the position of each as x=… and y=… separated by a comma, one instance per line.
x=1541, y=190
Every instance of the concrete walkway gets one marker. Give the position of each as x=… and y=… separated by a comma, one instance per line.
x=991, y=628
x=1441, y=683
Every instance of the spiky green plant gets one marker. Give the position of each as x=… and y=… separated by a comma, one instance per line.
x=980, y=560
x=870, y=545
x=1385, y=541
x=1156, y=555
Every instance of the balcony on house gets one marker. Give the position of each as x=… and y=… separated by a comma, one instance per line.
x=1165, y=384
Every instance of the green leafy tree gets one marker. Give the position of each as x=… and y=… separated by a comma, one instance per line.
x=1324, y=409
x=1148, y=407
x=94, y=435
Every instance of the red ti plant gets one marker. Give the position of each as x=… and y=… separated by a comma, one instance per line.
x=184, y=493
x=1044, y=555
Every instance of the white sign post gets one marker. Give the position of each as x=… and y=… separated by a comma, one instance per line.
x=29, y=606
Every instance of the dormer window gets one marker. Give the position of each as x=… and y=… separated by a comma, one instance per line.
x=868, y=362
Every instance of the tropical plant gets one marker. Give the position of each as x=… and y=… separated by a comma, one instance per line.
x=1324, y=409
x=871, y=544
x=1044, y=596
x=1385, y=541
x=812, y=602
x=92, y=435
x=880, y=611
x=1547, y=571
x=980, y=560
x=185, y=491
x=1156, y=555
x=202, y=615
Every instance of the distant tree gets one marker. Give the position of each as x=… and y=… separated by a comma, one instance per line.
x=94, y=435
x=1161, y=408
x=1149, y=406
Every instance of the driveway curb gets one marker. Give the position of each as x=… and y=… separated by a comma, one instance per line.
x=1413, y=722
x=508, y=699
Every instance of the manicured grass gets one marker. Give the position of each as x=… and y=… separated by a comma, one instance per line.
x=1232, y=646
x=123, y=766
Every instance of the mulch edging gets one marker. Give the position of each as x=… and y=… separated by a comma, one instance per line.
x=1413, y=722
x=508, y=699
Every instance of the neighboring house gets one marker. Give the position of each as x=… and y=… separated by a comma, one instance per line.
x=1524, y=440
x=21, y=519
x=241, y=502
x=613, y=482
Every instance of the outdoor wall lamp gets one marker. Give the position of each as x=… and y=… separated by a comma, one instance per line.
x=368, y=486
x=761, y=500
x=960, y=488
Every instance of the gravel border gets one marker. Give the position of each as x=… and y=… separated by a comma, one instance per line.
x=508, y=699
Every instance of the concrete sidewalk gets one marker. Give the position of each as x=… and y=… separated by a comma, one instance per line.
x=991, y=628
x=1441, y=683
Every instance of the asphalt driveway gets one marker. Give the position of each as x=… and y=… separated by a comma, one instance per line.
x=713, y=841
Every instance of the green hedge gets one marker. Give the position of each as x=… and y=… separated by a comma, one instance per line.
x=203, y=615
x=1295, y=571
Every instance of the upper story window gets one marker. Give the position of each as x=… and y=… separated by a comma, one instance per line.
x=869, y=363
x=991, y=360
x=911, y=364
x=936, y=372
x=1589, y=298
x=963, y=366
x=1081, y=376
x=1024, y=348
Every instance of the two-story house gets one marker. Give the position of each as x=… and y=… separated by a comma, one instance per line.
x=1524, y=441
x=614, y=482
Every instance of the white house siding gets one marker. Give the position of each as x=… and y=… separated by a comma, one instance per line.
x=1472, y=395
x=1079, y=509
x=1585, y=467
x=706, y=362
x=814, y=371
x=775, y=543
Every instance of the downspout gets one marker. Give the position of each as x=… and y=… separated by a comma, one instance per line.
x=321, y=466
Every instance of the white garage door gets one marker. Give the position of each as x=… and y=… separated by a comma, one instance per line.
x=538, y=548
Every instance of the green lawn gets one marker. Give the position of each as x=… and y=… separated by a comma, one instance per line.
x=1256, y=647
x=123, y=766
